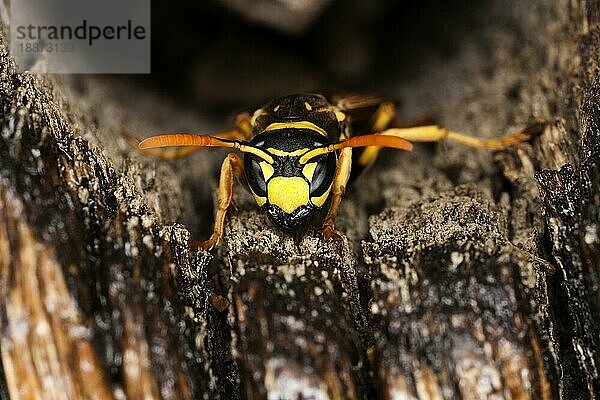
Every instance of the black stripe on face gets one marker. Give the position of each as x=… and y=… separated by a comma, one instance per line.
x=289, y=139
x=287, y=166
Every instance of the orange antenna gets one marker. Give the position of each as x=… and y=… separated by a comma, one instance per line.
x=187, y=139
x=377, y=139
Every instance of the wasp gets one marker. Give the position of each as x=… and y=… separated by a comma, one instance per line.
x=298, y=153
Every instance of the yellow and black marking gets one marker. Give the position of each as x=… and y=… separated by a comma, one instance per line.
x=298, y=153
x=288, y=190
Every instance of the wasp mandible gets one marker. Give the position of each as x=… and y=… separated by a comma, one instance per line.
x=298, y=153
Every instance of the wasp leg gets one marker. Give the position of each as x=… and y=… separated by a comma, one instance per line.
x=435, y=133
x=244, y=125
x=383, y=117
x=232, y=165
x=342, y=174
x=352, y=103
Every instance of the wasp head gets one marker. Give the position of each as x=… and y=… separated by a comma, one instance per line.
x=288, y=190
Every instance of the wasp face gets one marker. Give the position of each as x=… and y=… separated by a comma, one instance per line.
x=290, y=191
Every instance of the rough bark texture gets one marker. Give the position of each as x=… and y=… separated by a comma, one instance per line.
x=442, y=288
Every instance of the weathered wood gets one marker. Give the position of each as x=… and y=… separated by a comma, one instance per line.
x=89, y=307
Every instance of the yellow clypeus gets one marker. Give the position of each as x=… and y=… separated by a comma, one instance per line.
x=288, y=193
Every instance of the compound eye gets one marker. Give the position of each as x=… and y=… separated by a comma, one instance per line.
x=255, y=176
x=323, y=175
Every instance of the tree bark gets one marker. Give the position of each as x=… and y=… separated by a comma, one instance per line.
x=462, y=274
